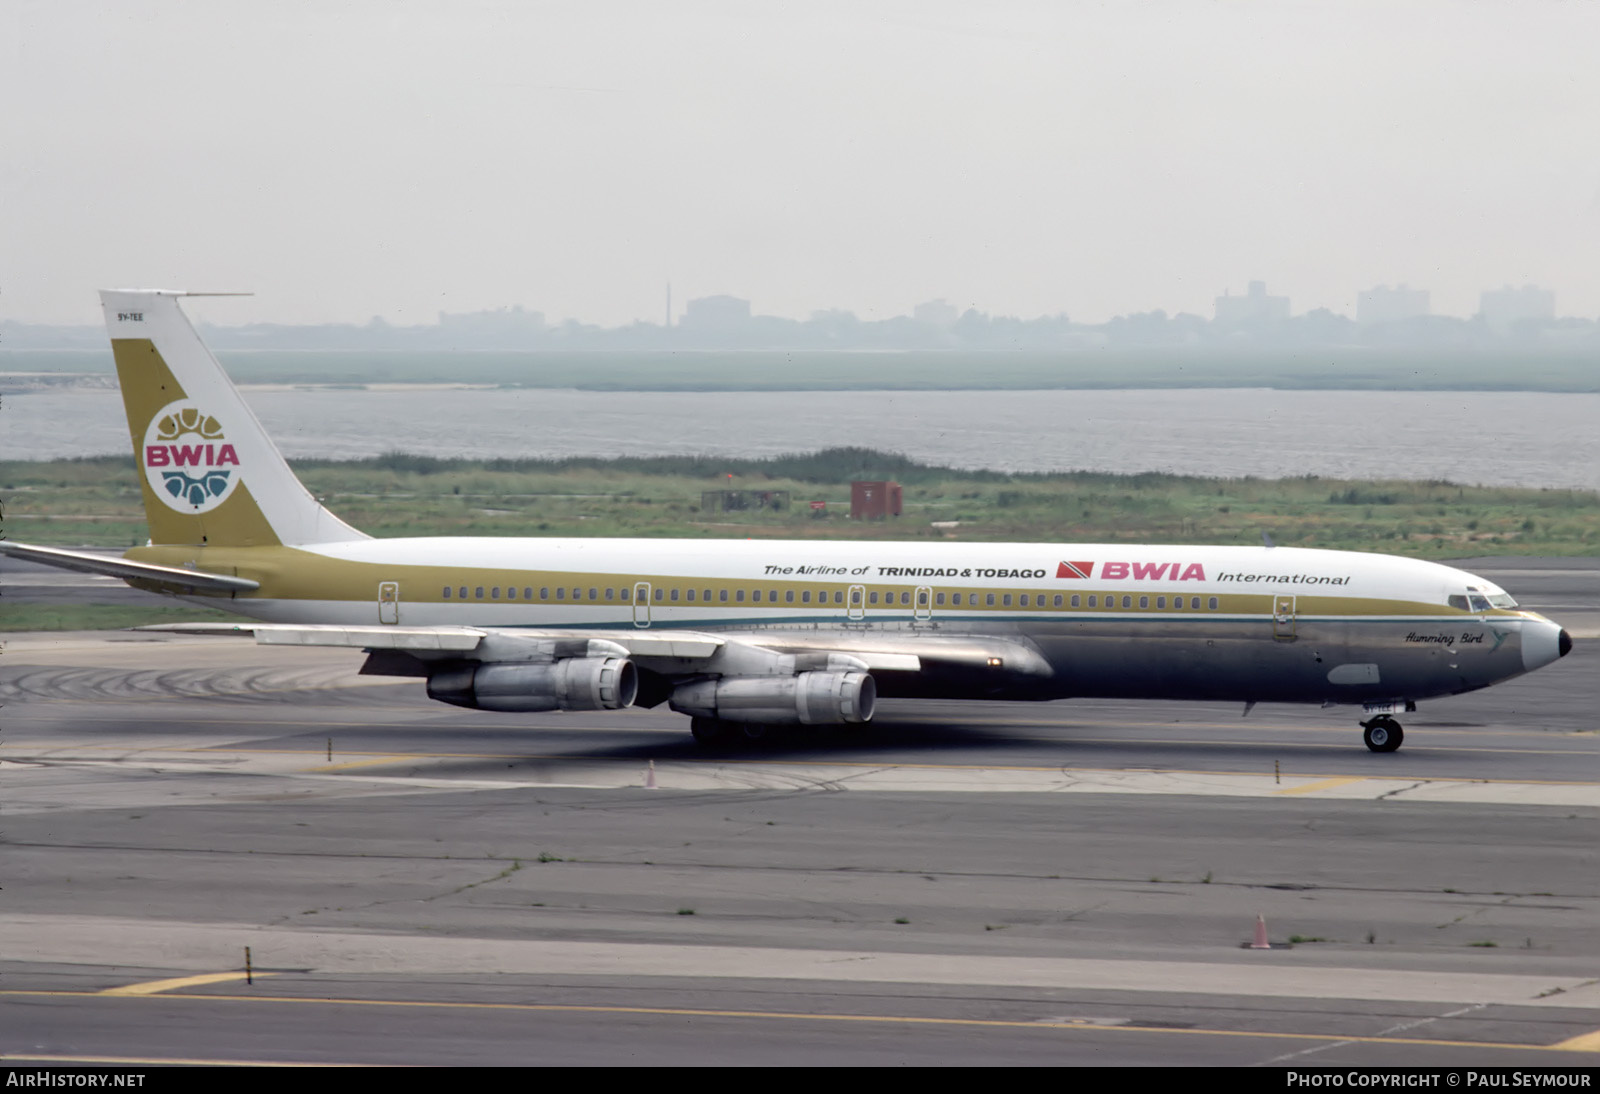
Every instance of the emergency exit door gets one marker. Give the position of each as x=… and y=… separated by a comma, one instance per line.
x=388, y=602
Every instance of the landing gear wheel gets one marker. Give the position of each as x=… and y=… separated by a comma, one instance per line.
x=1382, y=734
x=709, y=732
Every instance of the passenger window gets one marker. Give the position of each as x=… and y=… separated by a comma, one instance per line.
x=447, y=592
x=955, y=600
x=1213, y=604
x=478, y=593
x=1127, y=602
x=938, y=598
x=527, y=592
x=722, y=596
x=561, y=594
x=463, y=593
x=739, y=596
x=627, y=593
x=989, y=599
x=1161, y=602
x=544, y=594
x=1075, y=600
x=691, y=596
x=511, y=593
x=1006, y=600
x=756, y=596
x=611, y=594
x=674, y=594
x=872, y=597
x=1094, y=601
x=838, y=597
x=594, y=594
x=788, y=596
x=658, y=595
x=707, y=596
x=1144, y=602
x=494, y=593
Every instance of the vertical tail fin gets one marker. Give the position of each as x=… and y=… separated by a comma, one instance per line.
x=211, y=476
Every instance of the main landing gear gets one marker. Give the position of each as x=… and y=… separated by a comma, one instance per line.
x=713, y=731
x=1382, y=734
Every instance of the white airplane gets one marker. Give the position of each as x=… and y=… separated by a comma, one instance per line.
x=744, y=635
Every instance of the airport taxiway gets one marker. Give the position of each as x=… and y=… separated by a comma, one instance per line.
x=957, y=884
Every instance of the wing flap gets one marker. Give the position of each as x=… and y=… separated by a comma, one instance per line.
x=450, y=639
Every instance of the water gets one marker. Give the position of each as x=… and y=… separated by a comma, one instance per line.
x=1495, y=438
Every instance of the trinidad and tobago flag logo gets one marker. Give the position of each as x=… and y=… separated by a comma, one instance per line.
x=1084, y=570
x=188, y=462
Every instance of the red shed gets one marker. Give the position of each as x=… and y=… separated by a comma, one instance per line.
x=874, y=500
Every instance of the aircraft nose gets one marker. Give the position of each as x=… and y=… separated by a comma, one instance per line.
x=1542, y=643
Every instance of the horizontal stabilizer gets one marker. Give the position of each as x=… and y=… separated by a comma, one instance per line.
x=172, y=576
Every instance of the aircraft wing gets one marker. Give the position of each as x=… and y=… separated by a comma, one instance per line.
x=664, y=649
x=168, y=578
x=487, y=644
x=672, y=652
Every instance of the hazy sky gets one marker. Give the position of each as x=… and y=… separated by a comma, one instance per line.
x=398, y=159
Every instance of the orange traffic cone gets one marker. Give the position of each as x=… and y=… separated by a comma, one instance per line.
x=650, y=776
x=1260, y=942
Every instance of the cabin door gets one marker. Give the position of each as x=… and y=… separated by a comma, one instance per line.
x=641, y=604
x=1283, y=618
x=388, y=602
x=923, y=606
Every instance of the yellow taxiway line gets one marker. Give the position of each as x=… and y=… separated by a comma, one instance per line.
x=1578, y=1044
x=156, y=987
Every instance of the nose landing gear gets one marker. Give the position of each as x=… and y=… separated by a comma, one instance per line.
x=1382, y=734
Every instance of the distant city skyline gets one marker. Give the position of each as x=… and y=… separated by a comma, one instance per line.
x=1500, y=307
x=1394, y=318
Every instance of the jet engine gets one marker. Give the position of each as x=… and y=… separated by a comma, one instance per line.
x=571, y=683
x=809, y=698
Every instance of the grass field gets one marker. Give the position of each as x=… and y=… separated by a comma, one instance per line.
x=102, y=617
x=96, y=502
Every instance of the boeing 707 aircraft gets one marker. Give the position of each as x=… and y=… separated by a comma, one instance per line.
x=745, y=635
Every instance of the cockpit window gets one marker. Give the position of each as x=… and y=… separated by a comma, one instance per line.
x=1477, y=600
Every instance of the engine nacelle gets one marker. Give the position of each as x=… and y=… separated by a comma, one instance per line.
x=810, y=698
x=572, y=683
